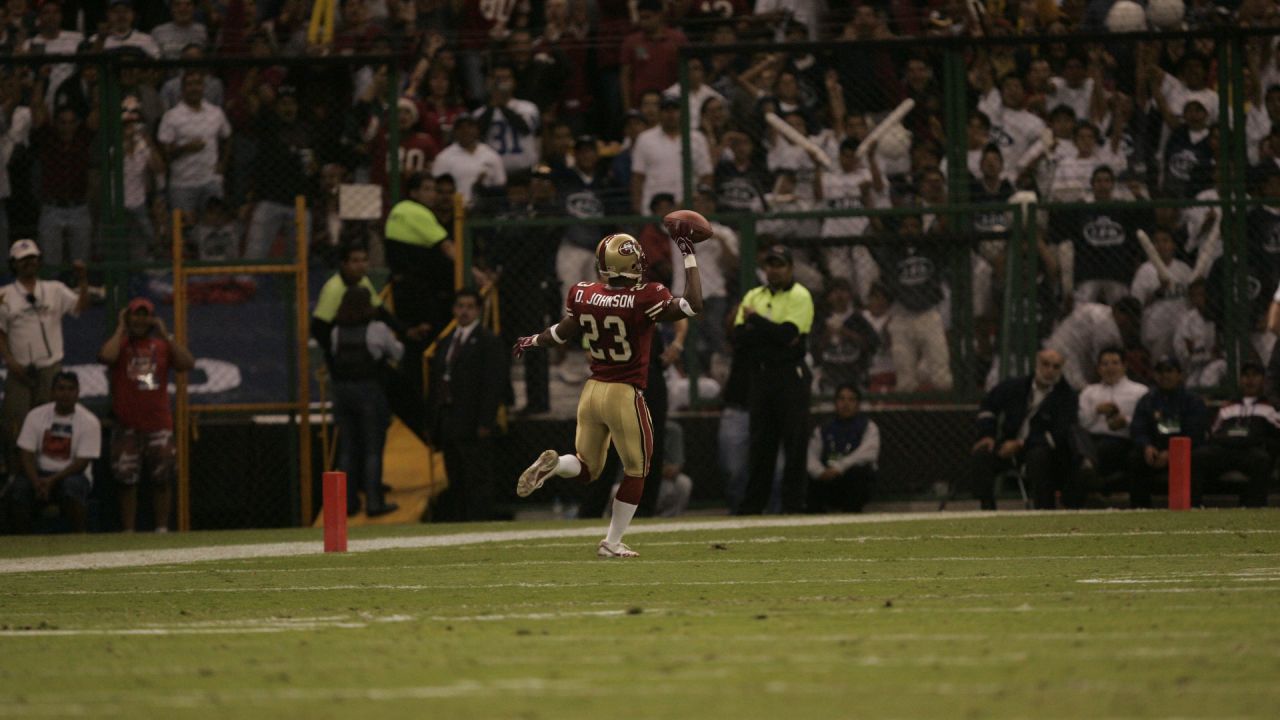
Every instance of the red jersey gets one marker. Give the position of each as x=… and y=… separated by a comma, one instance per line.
x=140, y=385
x=417, y=150
x=617, y=323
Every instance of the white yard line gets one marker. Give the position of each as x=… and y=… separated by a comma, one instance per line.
x=407, y=587
x=139, y=558
x=144, y=558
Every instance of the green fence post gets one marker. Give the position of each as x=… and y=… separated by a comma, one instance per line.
x=962, y=319
x=110, y=142
x=686, y=175
x=1240, y=162
x=1010, y=310
x=1029, y=263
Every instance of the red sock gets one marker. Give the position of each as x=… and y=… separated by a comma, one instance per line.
x=584, y=475
x=631, y=490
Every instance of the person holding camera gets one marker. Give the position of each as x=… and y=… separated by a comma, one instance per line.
x=31, y=345
x=139, y=356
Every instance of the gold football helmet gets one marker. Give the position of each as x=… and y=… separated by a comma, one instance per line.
x=620, y=255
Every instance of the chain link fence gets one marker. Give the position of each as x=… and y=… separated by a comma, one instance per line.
x=951, y=205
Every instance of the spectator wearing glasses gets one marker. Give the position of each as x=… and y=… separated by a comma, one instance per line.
x=31, y=313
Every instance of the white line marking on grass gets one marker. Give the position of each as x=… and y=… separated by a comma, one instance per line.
x=245, y=626
x=915, y=538
x=142, y=558
x=497, y=586
x=718, y=560
x=609, y=583
x=1245, y=575
x=531, y=616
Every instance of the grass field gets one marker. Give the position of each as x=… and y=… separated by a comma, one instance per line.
x=1107, y=615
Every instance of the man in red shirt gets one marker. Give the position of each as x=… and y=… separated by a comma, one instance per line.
x=650, y=55
x=617, y=319
x=138, y=357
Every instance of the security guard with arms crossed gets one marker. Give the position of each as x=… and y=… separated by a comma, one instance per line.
x=420, y=257
x=771, y=329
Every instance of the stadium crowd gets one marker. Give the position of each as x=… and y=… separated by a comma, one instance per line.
x=532, y=109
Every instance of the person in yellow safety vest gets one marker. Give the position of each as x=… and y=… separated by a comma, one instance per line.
x=420, y=257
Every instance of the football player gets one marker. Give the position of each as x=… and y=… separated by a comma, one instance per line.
x=616, y=318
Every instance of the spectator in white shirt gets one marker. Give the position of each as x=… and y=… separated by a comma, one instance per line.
x=121, y=33
x=15, y=131
x=786, y=155
x=172, y=37
x=1090, y=327
x=1073, y=175
x=59, y=442
x=1171, y=93
x=1013, y=128
x=851, y=187
x=1076, y=89
x=171, y=90
x=194, y=134
x=51, y=39
x=31, y=345
x=1055, y=145
x=1260, y=120
x=657, y=159
x=719, y=263
x=1195, y=341
x=143, y=168
x=1163, y=299
x=508, y=124
x=977, y=140
x=699, y=91
x=468, y=161
x=1106, y=409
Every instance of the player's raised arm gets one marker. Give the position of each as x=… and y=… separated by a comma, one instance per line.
x=691, y=303
x=562, y=332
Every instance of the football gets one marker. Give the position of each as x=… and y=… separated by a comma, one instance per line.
x=697, y=226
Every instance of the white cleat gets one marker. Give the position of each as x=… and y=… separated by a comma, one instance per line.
x=537, y=473
x=616, y=550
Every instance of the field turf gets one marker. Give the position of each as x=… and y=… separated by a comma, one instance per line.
x=1100, y=615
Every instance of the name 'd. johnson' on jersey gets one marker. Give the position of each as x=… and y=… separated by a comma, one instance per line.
x=612, y=301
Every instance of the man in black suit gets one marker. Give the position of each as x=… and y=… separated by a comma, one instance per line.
x=1028, y=421
x=469, y=377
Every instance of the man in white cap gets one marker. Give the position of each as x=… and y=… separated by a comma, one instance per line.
x=31, y=313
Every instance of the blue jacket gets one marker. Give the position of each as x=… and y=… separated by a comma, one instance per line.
x=1161, y=415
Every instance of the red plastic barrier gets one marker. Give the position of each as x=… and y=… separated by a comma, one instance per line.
x=335, y=512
